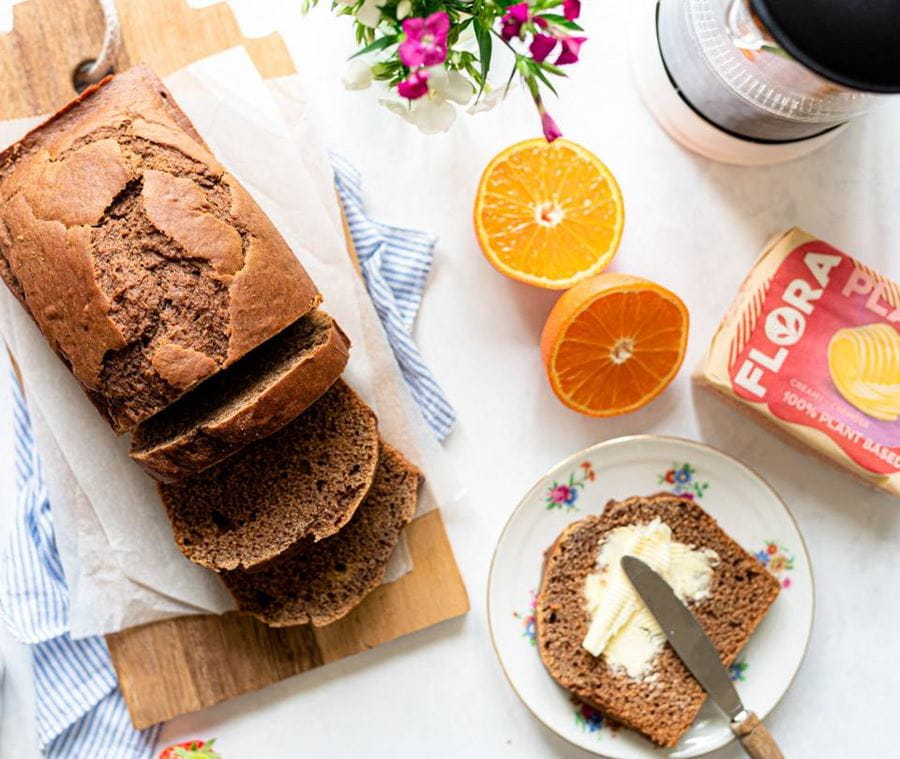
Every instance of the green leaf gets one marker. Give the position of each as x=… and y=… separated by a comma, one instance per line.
x=457, y=29
x=469, y=68
x=380, y=44
x=522, y=64
x=556, y=70
x=485, y=47
x=512, y=73
x=530, y=80
x=387, y=70
x=555, y=18
x=540, y=75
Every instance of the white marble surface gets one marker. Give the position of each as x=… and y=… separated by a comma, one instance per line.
x=695, y=227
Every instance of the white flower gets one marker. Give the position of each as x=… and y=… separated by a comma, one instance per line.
x=369, y=14
x=435, y=111
x=404, y=8
x=433, y=116
x=357, y=75
x=489, y=98
x=430, y=115
x=449, y=85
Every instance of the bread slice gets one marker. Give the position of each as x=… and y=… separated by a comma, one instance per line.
x=303, y=482
x=266, y=389
x=664, y=706
x=322, y=582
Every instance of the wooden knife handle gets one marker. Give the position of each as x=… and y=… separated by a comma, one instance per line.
x=756, y=740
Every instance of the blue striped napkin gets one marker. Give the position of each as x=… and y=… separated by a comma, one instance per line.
x=79, y=707
x=395, y=263
x=80, y=711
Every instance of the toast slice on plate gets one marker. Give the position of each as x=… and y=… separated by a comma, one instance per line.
x=663, y=701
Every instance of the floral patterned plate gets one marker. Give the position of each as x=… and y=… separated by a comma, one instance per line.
x=745, y=506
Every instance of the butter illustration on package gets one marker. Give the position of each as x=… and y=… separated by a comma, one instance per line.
x=811, y=347
x=865, y=367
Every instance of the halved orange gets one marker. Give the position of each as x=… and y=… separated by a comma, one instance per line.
x=549, y=214
x=613, y=342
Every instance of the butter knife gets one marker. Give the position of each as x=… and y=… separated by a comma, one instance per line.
x=696, y=650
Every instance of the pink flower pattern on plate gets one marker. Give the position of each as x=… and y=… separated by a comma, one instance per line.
x=682, y=480
x=527, y=619
x=778, y=560
x=563, y=495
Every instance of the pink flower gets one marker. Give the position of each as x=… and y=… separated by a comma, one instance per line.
x=511, y=23
x=414, y=86
x=426, y=40
x=786, y=582
x=541, y=46
x=560, y=494
x=571, y=9
x=570, y=48
x=551, y=131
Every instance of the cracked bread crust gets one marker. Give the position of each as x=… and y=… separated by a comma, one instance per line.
x=665, y=706
x=145, y=264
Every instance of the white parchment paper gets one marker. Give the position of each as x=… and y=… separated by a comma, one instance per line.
x=121, y=562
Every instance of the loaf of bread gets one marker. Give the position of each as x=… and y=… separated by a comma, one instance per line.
x=663, y=705
x=145, y=264
x=322, y=582
x=303, y=483
x=266, y=389
x=188, y=321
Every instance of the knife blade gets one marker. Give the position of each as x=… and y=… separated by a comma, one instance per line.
x=699, y=655
x=685, y=635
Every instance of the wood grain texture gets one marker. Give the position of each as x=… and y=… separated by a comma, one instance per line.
x=39, y=56
x=188, y=663
x=168, y=35
x=756, y=739
x=185, y=664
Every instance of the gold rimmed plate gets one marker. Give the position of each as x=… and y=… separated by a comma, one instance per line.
x=745, y=506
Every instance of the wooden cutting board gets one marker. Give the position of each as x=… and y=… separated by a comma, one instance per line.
x=188, y=663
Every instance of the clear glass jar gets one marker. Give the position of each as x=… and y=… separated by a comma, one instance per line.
x=731, y=71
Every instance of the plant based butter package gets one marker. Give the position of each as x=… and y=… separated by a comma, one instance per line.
x=811, y=347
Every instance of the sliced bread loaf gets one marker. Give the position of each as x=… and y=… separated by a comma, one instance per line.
x=266, y=389
x=303, y=482
x=322, y=582
x=664, y=704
